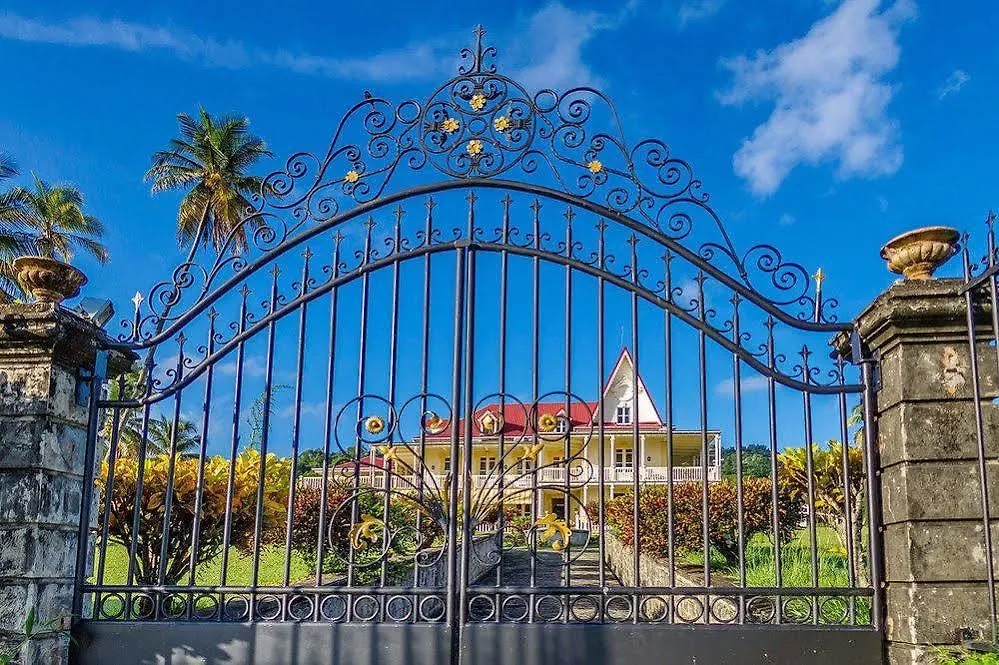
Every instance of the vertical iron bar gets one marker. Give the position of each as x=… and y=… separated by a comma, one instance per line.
x=637, y=462
x=171, y=468
x=109, y=490
x=703, y=393
x=203, y=451
x=452, y=481
x=874, y=517
x=569, y=214
x=328, y=423
x=813, y=544
x=466, y=526
x=265, y=426
x=362, y=350
x=601, y=454
x=774, y=495
x=501, y=361
x=296, y=425
x=983, y=477
x=234, y=443
x=739, y=498
x=393, y=356
x=421, y=468
x=535, y=359
x=668, y=372
x=89, y=472
x=851, y=562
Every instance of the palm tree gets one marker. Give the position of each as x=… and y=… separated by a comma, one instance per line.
x=211, y=159
x=161, y=433
x=13, y=241
x=55, y=224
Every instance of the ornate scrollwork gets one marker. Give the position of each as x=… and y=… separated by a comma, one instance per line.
x=482, y=124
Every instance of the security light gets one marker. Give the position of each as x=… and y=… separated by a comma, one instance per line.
x=97, y=310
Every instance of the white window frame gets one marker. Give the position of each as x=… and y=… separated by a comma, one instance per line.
x=623, y=416
x=624, y=458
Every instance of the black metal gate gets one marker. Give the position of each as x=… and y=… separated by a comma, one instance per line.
x=482, y=419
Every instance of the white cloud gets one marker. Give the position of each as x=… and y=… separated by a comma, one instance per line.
x=415, y=61
x=551, y=45
x=548, y=51
x=953, y=84
x=693, y=11
x=829, y=94
x=749, y=384
x=786, y=219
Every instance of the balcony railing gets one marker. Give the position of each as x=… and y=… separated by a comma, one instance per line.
x=653, y=475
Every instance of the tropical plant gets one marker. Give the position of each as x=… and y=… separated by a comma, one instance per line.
x=161, y=436
x=13, y=241
x=211, y=159
x=54, y=223
x=829, y=488
x=688, y=519
x=32, y=630
x=212, y=511
x=755, y=461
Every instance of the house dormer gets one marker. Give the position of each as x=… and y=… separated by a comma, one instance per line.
x=619, y=396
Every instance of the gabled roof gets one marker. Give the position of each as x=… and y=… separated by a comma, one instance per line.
x=581, y=414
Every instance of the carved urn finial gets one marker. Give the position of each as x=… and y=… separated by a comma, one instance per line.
x=918, y=253
x=48, y=280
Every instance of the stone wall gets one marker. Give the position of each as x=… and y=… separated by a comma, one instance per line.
x=47, y=357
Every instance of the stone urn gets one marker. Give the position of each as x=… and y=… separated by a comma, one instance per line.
x=48, y=280
x=916, y=254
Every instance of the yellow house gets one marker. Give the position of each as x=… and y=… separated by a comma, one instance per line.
x=551, y=454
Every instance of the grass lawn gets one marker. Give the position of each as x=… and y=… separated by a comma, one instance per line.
x=271, y=572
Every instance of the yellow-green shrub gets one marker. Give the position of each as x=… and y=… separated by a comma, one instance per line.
x=213, y=508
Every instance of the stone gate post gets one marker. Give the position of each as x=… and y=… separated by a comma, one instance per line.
x=48, y=360
x=935, y=568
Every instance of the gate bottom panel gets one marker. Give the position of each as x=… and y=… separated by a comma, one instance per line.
x=541, y=644
x=125, y=643
x=204, y=643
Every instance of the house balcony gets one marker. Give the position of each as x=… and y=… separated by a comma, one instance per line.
x=647, y=475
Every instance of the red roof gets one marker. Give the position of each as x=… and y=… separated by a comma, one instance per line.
x=518, y=419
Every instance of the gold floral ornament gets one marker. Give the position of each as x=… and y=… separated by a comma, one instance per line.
x=478, y=101
x=388, y=453
x=374, y=425
x=352, y=176
x=366, y=532
x=529, y=452
x=595, y=166
x=547, y=422
x=553, y=526
x=451, y=125
x=474, y=147
x=434, y=423
x=502, y=123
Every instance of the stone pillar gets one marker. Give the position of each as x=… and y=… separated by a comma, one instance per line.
x=48, y=358
x=935, y=567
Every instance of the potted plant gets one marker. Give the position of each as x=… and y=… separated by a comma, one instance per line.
x=50, y=220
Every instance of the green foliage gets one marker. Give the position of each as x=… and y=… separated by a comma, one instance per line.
x=211, y=159
x=33, y=630
x=829, y=487
x=54, y=223
x=958, y=656
x=213, y=506
x=400, y=530
x=313, y=459
x=755, y=461
x=723, y=521
x=13, y=241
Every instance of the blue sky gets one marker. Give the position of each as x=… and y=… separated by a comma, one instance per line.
x=822, y=127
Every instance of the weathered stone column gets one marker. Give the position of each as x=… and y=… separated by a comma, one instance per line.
x=48, y=359
x=934, y=546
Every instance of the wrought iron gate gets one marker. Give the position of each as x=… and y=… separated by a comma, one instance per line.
x=510, y=375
